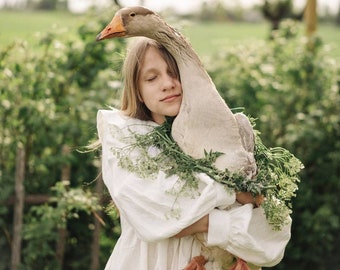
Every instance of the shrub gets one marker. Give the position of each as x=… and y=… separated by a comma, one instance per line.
x=49, y=96
x=292, y=87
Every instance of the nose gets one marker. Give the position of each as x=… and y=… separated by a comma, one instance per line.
x=169, y=82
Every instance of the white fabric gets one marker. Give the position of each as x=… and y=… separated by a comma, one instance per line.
x=145, y=207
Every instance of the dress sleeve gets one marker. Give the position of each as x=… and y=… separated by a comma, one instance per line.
x=148, y=205
x=247, y=234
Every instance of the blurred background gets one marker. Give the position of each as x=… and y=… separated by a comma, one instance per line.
x=278, y=59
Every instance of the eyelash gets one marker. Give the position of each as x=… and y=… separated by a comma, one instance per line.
x=171, y=74
x=151, y=79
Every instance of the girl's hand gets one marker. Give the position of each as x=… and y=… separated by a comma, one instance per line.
x=247, y=197
x=244, y=197
x=197, y=263
x=199, y=226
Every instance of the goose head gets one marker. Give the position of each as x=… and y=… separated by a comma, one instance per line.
x=130, y=22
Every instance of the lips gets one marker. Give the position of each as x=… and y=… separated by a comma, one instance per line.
x=170, y=98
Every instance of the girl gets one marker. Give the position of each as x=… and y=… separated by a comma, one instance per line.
x=151, y=239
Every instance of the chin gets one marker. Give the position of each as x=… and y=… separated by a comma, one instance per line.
x=173, y=114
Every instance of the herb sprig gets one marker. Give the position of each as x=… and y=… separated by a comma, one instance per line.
x=276, y=179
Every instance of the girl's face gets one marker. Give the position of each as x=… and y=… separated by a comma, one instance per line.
x=160, y=90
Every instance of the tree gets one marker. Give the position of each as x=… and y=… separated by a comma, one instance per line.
x=338, y=17
x=276, y=10
x=47, y=4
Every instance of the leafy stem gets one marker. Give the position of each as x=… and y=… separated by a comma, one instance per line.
x=276, y=179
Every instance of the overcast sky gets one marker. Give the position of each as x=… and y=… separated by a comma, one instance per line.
x=183, y=5
x=190, y=5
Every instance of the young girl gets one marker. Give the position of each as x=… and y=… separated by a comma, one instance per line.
x=151, y=239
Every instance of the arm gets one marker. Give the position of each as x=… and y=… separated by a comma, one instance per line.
x=246, y=234
x=199, y=226
x=202, y=224
x=146, y=204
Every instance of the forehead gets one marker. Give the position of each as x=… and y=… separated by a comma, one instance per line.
x=152, y=56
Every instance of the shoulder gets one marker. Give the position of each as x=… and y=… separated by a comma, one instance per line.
x=115, y=119
x=111, y=117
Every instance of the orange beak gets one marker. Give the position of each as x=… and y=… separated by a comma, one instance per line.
x=114, y=29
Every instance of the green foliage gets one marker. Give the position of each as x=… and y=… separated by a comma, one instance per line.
x=49, y=98
x=292, y=87
x=276, y=179
x=43, y=222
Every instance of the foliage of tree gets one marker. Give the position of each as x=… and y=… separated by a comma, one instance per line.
x=49, y=96
x=276, y=10
x=292, y=87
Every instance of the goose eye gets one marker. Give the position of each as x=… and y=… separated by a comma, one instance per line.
x=132, y=14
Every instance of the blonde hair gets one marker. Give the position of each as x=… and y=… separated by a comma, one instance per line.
x=131, y=103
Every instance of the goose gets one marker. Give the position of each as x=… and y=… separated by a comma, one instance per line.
x=204, y=122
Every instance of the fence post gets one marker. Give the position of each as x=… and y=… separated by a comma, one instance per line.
x=18, y=207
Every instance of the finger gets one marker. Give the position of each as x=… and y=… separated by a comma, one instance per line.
x=190, y=266
x=200, y=260
x=258, y=200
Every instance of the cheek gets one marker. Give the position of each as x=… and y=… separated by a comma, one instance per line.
x=179, y=85
x=140, y=92
x=145, y=97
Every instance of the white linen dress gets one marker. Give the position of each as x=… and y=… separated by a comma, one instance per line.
x=147, y=229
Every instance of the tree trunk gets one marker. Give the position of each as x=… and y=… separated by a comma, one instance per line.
x=117, y=3
x=18, y=207
x=65, y=176
x=60, y=246
x=95, y=247
x=310, y=17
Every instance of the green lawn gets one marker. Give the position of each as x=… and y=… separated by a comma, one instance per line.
x=25, y=25
x=205, y=37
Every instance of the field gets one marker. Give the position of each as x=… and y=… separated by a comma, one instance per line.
x=206, y=38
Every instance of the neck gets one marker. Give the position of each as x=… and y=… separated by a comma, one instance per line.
x=188, y=62
x=175, y=43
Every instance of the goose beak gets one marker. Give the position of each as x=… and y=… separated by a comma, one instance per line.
x=114, y=29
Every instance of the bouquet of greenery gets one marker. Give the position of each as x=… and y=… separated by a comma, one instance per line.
x=276, y=179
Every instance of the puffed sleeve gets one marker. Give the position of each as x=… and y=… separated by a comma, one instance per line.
x=148, y=205
x=247, y=234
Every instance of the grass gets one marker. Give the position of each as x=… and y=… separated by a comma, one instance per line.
x=219, y=35
x=330, y=34
x=16, y=25
x=206, y=38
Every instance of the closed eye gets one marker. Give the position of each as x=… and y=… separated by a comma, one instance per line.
x=150, y=79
